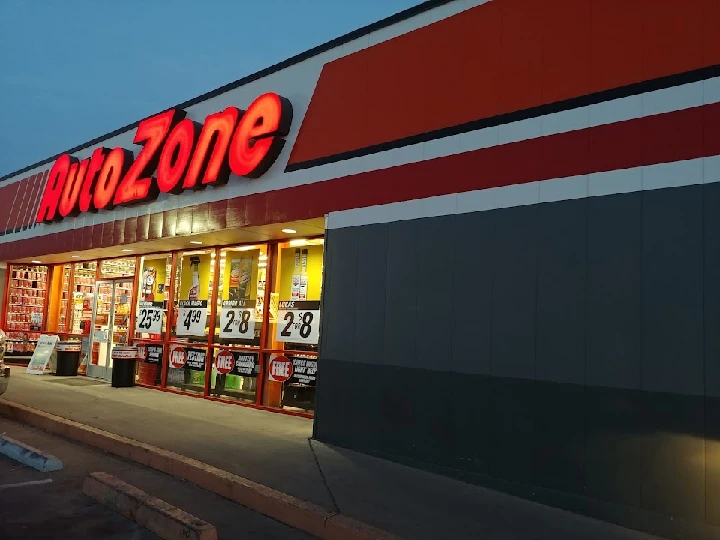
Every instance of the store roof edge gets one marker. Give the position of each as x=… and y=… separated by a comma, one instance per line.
x=301, y=57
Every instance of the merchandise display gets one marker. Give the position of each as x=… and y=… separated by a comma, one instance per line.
x=26, y=306
x=117, y=267
x=82, y=296
x=65, y=302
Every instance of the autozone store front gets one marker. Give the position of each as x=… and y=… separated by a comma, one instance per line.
x=518, y=280
x=167, y=303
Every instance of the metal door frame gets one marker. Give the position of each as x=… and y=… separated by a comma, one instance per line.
x=94, y=371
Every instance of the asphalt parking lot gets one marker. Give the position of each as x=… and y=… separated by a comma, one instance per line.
x=51, y=505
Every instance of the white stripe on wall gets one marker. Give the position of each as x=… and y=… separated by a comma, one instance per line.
x=663, y=175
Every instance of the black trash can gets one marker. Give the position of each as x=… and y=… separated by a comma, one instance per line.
x=123, y=373
x=68, y=358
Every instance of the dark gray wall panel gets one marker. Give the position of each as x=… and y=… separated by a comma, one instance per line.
x=559, y=454
x=712, y=460
x=467, y=444
x=673, y=471
x=401, y=294
x=512, y=429
x=613, y=448
x=435, y=304
x=561, y=291
x=369, y=297
x=472, y=290
x=339, y=329
x=711, y=213
x=631, y=281
x=514, y=257
x=614, y=291
x=673, y=291
x=634, y=449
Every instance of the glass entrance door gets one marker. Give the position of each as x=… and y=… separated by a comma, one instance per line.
x=110, y=320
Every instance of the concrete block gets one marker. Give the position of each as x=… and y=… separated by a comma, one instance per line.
x=150, y=512
x=27, y=455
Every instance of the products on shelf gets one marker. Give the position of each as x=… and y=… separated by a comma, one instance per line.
x=64, y=318
x=117, y=267
x=27, y=290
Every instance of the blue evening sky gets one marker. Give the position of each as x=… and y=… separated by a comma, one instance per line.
x=73, y=70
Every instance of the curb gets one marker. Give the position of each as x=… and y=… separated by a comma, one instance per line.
x=32, y=457
x=285, y=508
x=150, y=512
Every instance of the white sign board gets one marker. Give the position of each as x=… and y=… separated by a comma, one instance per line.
x=149, y=318
x=44, y=349
x=298, y=322
x=192, y=318
x=237, y=319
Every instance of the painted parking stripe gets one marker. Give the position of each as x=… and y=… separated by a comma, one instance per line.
x=23, y=484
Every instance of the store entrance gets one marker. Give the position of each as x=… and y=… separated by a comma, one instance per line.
x=110, y=321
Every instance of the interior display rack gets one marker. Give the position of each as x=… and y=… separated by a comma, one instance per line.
x=64, y=319
x=117, y=267
x=26, y=299
x=82, y=294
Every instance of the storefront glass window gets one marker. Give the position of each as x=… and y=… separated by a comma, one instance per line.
x=194, y=278
x=241, y=292
x=193, y=289
x=295, y=326
x=234, y=374
x=65, y=301
x=186, y=367
x=82, y=297
x=26, y=309
x=117, y=267
x=151, y=316
x=240, y=300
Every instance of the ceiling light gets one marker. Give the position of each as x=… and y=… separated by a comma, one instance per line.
x=36, y=262
x=263, y=257
x=298, y=242
x=76, y=256
x=246, y=248
x=196, y=242
x=127, y=250
x=289, y=231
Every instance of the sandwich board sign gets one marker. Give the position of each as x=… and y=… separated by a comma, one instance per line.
x=44, y=350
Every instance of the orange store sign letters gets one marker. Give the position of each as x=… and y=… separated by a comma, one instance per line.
x=176, y=154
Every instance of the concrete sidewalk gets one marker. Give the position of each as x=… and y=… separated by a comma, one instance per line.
x=274, y=450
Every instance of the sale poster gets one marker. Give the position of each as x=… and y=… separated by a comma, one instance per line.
x=304, y=370
x=195, y=359
x=237, y=363
x=153, y=354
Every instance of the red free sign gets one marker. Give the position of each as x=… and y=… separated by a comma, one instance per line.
x=178, y=357
x=224, y=362
x=281, y=369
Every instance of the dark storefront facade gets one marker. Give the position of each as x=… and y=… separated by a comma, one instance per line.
x=506, y=214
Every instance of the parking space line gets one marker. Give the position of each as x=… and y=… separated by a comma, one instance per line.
x=23, y=484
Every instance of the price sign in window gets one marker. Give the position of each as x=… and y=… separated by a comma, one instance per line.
x=237, y=319
x=149, y=318
x=298, y=322
x=191, y=318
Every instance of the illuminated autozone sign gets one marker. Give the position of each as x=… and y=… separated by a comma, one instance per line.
x=176, y=154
